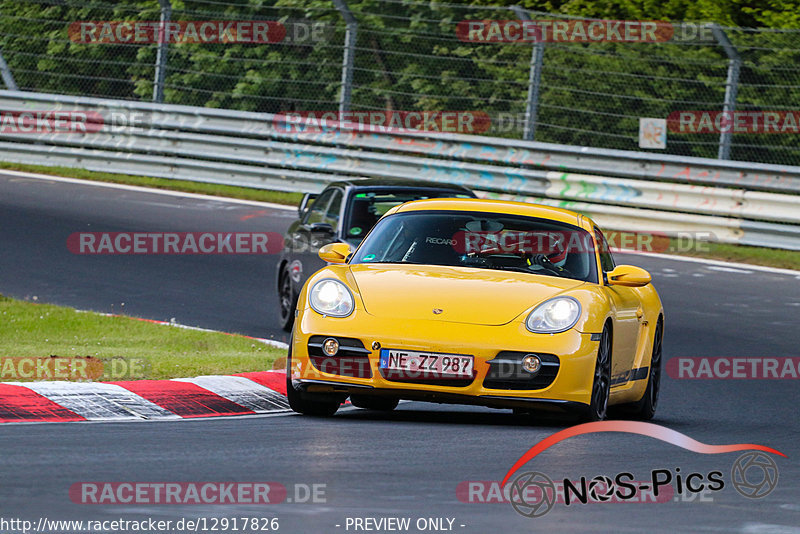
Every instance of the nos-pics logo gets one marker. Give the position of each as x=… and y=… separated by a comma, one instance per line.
x=754, y=474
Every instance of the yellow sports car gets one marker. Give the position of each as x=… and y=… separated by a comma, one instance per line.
x=493, y=303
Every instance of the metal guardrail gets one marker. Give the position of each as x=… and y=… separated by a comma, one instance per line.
x=739, y=202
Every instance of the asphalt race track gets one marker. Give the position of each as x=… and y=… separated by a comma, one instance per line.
x=224, y=292
x=408, y=463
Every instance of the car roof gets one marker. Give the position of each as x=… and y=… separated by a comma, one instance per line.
x=496, y=206
x=372, y=183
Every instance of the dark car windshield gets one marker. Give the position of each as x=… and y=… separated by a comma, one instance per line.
x=367, y=207
x=482, y=240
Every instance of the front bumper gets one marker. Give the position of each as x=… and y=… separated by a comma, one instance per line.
x=359, y=372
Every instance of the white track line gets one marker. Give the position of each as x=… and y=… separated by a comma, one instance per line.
x=769, y=528
x=141, y=189
x=729, y=269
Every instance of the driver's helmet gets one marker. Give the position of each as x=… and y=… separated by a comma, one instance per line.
x=558, y=256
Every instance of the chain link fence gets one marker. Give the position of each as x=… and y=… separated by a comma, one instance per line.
x=402, y=56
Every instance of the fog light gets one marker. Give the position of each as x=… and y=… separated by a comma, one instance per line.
x=330, y=346
x=531, y=363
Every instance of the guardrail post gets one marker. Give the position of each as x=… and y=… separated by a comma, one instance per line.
x=731, y=88
x=161, y=54
x=534, y=81
x=5, y=72
x=349, y=54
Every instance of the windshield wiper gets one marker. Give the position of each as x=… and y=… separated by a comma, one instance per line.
x=397, y=261
x=543, y=270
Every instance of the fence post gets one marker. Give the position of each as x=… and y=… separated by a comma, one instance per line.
x=731, y=88
x=349, y=54
x=161, y=54
x=5, y=72
x=534, y=81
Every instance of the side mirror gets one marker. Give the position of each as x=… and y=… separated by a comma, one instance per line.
x=307, y=198
x=628, y=276
x=335, y=252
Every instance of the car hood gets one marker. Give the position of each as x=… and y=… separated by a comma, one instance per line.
x=464, y=295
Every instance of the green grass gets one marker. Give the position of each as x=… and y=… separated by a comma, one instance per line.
x=786, y=259
x=771, y=257
x=33, y=330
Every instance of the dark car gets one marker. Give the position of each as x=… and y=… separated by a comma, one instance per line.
x=343, y=211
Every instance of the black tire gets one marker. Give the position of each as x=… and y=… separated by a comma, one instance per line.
x=305, y=403
x=597, y=410
x=287, y=300
x=382, y=404
x=645, y=409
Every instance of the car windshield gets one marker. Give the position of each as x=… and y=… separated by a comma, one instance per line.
x=482, y=240
x=367, y=207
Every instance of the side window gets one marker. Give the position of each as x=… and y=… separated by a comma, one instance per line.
x=319, y=208
x=606, y=259
x=334, y=210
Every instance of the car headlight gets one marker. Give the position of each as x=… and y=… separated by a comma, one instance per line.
x=553, y=316
x=331, y=297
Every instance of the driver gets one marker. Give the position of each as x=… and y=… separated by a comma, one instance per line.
x=553, y=260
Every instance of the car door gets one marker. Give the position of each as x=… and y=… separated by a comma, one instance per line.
x=627, y=311
x=318, y=228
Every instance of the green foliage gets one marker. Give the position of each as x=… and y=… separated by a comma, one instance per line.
x=408, y=58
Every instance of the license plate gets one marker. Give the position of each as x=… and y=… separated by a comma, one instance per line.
x=427, y=364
